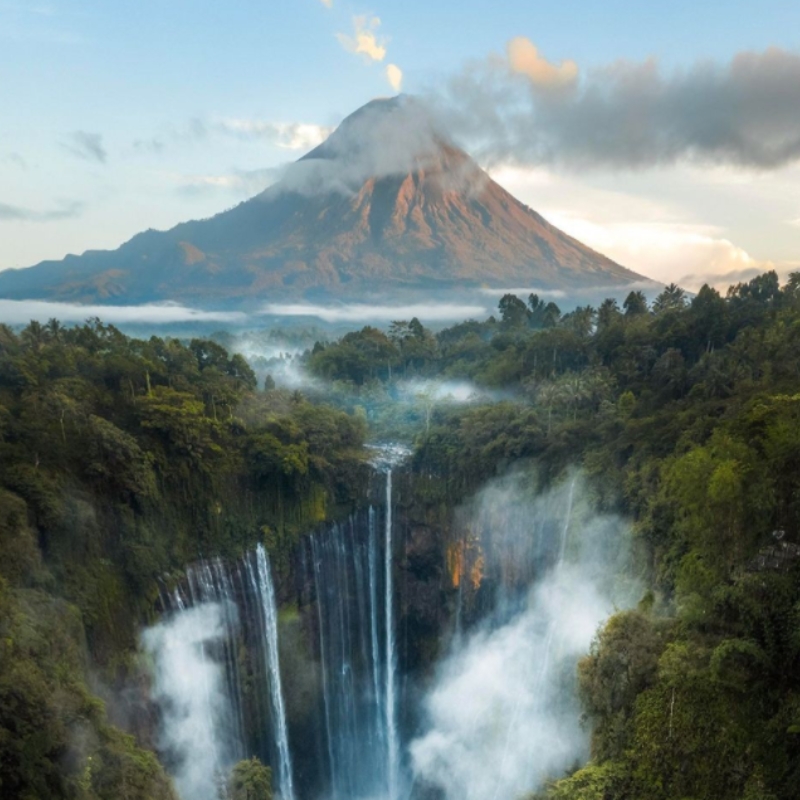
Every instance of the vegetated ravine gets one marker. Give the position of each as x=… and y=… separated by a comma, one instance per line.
x=207, y=575
x=325, y=691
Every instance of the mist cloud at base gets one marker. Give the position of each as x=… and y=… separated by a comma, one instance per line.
x=188, y=686
x=363, y=313
x=503, y=715
x=21, y=312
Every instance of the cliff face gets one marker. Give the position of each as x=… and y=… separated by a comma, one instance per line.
x=386, y=204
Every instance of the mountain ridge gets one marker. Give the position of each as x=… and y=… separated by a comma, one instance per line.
x=386, y=204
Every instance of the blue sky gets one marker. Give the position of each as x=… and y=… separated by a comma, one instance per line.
x=119, y=116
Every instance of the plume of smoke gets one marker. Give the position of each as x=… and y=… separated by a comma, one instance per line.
x=188, y=686
x=503, y=715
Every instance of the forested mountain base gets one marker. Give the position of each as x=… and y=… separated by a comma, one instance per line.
x=686, y=418
x=121, y=461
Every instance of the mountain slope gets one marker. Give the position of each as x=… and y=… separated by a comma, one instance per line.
x=386, y=204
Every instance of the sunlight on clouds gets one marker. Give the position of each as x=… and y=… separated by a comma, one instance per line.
x=364, y=40
x=395, y=76
x=524, y=58
x=688, y=254
x=327, y=3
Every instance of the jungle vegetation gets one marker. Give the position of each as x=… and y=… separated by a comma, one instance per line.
x=685, y=416
x=121, y=461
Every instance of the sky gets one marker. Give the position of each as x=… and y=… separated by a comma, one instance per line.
x=118, y=117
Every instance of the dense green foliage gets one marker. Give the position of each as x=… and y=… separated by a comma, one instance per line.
x=250, y=780
x=120, y=462
x=686, y=418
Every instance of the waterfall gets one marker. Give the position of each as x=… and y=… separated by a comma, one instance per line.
x=266, y=592
x=391, y=661
x=350, y=594
x=218, y=675
x=537, y=575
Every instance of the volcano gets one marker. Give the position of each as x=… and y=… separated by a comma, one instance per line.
x=387, y=206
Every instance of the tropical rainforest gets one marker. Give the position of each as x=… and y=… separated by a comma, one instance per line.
x=123, y=460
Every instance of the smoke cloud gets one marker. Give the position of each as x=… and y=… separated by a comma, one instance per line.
x=189, y=689
x=627, y=115
x=503, y=714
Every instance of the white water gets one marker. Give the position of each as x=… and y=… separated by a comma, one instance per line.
x=269, y=610
x=190, y=689
x=502, y=716
x=392, y=737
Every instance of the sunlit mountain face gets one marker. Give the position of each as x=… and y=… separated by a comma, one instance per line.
x=386, y=206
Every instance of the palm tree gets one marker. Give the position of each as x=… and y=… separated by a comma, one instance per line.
x=673, y=298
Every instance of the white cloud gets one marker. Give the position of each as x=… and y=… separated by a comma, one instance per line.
x=20, y=312
x=287, y=135
x=688, y=254
x=524, y=58
x=395, y=76
x=364, y=40
x=327, y=3
x=525, y=291
x=657, y=226
x=244, y=183
x=358, y=312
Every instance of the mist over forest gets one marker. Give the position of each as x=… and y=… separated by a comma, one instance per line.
x=583, y=557
x=399, y=402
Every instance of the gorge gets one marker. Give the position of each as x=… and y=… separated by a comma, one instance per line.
x=532, y=577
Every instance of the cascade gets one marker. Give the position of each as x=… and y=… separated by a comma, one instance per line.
x=264, y=588
x=391, y=661
x=511, y=662
x=234, y=609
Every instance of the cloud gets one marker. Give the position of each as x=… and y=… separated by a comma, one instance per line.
x=524, y=58
x=364, y=40
x=385, y=137
x=395, y=76
x=88, y=146
x=628, y=115
x=287, y=135
x=687, y=253
x=20, y=312
x=240, y=182
x=65, y=210
x=153, y=145
x=358, y=312
x=524, y=292
x=327, y=3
